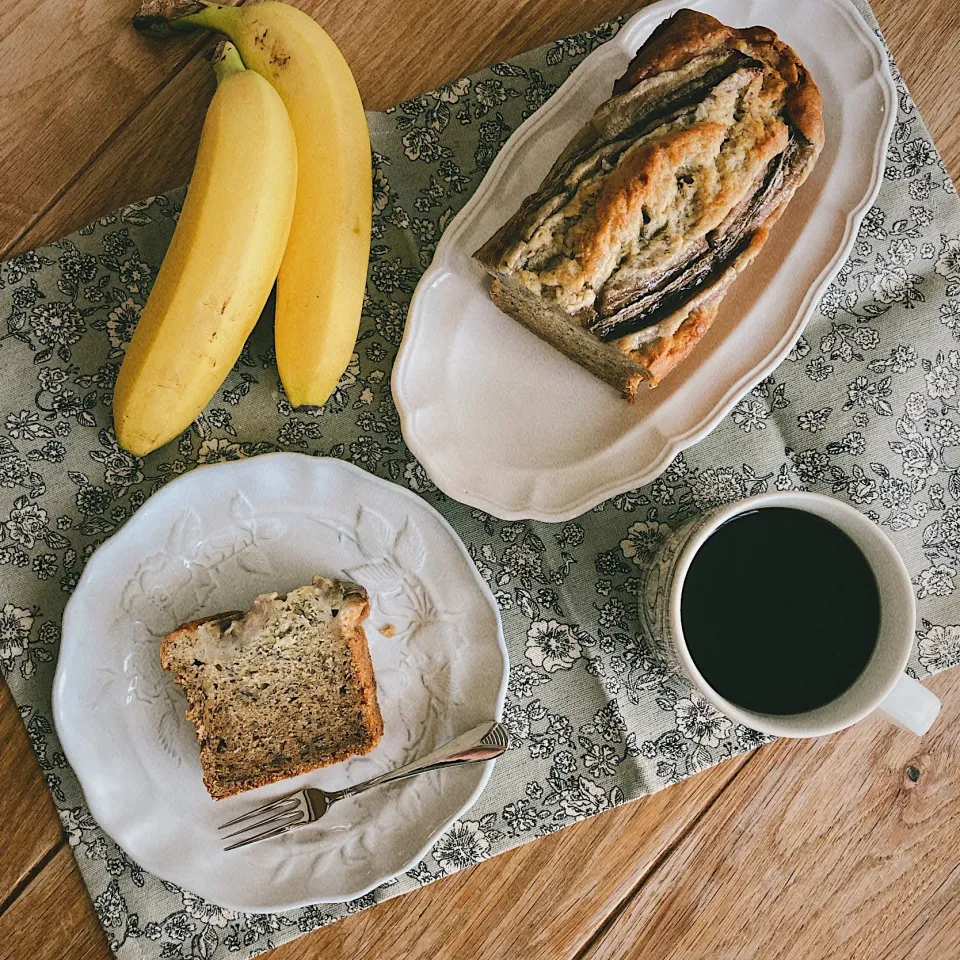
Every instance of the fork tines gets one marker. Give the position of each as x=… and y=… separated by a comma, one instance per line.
x=269, y=820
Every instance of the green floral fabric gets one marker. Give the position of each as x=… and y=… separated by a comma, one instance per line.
x=865, y=408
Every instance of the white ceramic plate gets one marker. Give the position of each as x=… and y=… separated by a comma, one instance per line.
x=503, y=422
x=209, y=542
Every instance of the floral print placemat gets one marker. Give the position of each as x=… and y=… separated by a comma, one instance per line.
x=865, y=408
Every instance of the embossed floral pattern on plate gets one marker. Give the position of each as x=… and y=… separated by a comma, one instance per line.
x=212, y=542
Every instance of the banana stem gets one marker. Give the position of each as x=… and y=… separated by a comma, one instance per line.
x=161, y=18
x=226, y=60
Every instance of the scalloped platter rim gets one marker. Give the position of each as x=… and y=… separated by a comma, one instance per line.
x=502, y=422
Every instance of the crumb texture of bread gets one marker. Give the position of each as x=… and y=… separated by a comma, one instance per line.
x=621, y=370
x=643, y=221
x=283, y=689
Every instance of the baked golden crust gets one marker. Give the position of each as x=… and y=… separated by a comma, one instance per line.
x=663, y=197
x=660, y=356
x=359, y=649
x=690, y=33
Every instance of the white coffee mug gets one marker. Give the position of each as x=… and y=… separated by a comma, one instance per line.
x=881, y=687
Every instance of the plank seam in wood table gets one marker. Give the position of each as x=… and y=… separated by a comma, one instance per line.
x=597, y=935
x=820, y=849
x=104, y=146
x=31, y=875
x=199, y=45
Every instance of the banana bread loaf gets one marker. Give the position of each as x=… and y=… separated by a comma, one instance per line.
x=622, y=256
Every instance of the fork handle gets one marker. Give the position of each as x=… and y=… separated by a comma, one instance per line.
x=483, y=742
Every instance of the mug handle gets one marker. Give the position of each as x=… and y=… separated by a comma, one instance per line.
x=910, y=706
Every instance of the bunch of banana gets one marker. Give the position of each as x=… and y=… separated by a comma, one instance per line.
x=323, y=270
x=221, y=263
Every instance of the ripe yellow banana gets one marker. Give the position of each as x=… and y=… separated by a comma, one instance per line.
x=324, y=269
x=221, y=263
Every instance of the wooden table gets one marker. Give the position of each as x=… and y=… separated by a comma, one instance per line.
x=840, y=847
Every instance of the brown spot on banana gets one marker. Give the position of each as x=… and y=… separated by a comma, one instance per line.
x=279, y=58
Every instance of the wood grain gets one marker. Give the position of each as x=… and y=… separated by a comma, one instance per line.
x=541, y=899
x=53, y=918
x=153, y=153
x=73, y=75
x=94, y=116
x=925, y=40
x=843, y=846
x=29, y=826
x=155, y=150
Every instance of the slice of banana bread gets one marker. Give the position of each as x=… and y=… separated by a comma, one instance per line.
x=285, y=688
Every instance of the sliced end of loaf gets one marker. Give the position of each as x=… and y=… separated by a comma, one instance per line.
x=603, y=360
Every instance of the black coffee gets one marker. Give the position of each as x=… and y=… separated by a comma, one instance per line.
x=780, y=611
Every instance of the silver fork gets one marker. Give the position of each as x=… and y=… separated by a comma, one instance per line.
x=483, y=742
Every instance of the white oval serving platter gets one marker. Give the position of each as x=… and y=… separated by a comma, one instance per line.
x=503, y=422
